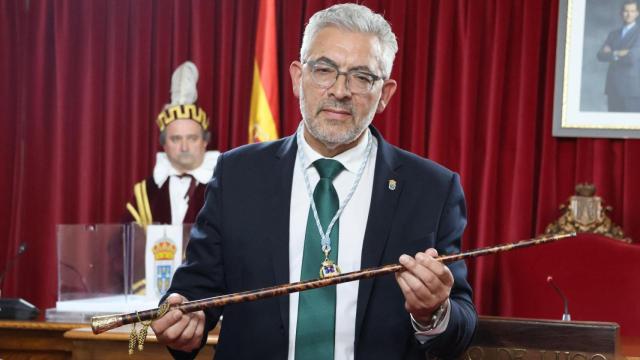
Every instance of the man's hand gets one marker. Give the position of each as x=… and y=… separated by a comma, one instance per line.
x=606, y=49
x=177, y=330
x=426, y=283
x=621, y=53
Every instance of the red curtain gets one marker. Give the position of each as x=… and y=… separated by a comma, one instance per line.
x=11, y=143
x=82, y=82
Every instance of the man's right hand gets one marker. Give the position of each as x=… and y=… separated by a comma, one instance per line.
x=621, y=52
x=177, y=330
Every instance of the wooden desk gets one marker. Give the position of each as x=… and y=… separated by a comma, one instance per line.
x=114, y=344
x=35, y=340
x=57, y=341
x=540, y=339
x=630, y=347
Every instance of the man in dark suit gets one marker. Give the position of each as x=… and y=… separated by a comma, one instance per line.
x=335, y=193
x=622, y=51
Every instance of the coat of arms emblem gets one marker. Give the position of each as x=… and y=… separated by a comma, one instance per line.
x=585, y=212
x=164, y=253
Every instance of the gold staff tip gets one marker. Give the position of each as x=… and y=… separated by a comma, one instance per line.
x=100, y=324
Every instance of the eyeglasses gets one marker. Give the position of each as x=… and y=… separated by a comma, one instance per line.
x=325, y=75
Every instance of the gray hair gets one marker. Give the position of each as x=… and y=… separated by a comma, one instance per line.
x=354, y=18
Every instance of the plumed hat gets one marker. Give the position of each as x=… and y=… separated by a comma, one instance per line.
x=183, y=98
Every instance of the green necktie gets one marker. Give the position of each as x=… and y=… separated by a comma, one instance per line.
x=315, y=330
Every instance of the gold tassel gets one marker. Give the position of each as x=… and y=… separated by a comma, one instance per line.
x=133, y=339
x=138, y=338
x=142, y=336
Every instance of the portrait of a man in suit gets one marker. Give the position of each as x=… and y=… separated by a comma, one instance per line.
x=621, y=50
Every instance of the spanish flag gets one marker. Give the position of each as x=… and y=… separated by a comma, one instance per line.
x=263, y=116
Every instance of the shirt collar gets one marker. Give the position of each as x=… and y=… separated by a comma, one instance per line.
x=202, y=174
x=350, y=159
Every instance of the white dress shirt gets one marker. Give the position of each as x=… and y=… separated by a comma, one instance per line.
x=350, y=237
x=626, y=29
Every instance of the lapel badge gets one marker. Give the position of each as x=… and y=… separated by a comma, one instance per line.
x=392, y=184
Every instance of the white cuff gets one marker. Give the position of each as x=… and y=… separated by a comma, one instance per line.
x=423, y=336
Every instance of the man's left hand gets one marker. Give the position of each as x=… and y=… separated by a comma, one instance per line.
x=426, y=284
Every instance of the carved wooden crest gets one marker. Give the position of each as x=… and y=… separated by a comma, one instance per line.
x=584, y=212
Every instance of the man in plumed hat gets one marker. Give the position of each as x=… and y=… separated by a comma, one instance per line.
x=174, y=193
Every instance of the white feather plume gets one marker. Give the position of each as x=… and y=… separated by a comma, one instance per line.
x=183, y=84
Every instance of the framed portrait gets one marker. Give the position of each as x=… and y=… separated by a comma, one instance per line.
x=597, y=79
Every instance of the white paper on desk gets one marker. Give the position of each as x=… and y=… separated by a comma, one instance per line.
x=163, y=255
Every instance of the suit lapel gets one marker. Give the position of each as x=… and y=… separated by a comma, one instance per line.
x=628, y=39
x=281, y=203
x=384, y=199
x=631, y=37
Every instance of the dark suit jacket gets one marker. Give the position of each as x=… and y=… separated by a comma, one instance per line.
x=623, y=75
x=241, y=241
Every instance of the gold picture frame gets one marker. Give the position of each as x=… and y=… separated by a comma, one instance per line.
x=580, y=102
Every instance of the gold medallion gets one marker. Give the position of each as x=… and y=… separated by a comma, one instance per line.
x=329, y=269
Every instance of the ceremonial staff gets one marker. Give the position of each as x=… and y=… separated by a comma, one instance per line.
x=100, y=324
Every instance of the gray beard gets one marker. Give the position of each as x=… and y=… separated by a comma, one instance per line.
x=331, y=139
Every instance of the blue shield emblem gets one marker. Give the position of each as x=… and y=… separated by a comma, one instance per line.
x=163, y=277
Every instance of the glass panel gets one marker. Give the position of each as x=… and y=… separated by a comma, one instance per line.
x=101, y=269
